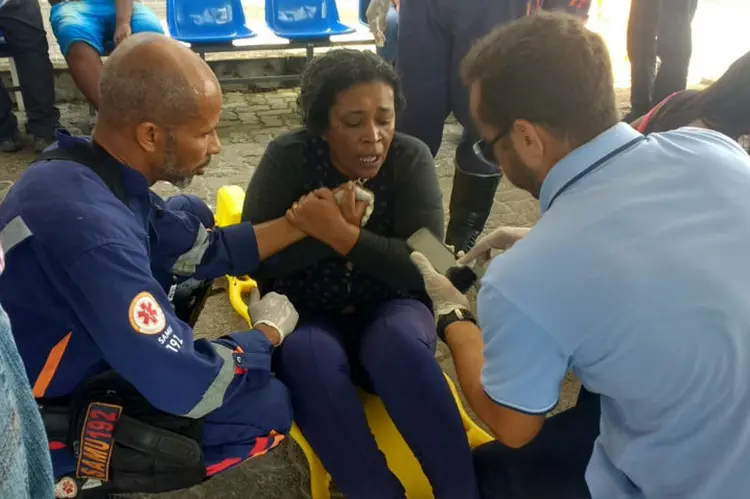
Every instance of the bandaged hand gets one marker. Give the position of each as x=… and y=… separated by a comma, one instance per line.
x=356, y=203
x=273, y=310
x=500, y=239
x=376, y=14
x=445, y=297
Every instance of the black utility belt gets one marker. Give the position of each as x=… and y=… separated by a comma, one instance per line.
x=119, y=439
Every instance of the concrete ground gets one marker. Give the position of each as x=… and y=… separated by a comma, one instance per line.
x=249, y=121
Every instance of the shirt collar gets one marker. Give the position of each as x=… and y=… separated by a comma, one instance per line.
x=583, y=157
x=134, y=181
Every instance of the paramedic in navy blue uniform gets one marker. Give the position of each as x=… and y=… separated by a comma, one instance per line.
x=88, y=289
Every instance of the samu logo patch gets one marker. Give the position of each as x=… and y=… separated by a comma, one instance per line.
x=97, y=441
x=146, y=315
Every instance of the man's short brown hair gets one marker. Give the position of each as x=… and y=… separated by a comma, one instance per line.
x=547, y=69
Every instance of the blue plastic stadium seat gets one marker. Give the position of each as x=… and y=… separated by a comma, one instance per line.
x=207, y=21
x=299, y=20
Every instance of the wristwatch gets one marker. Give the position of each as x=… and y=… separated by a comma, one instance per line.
x=456, y=315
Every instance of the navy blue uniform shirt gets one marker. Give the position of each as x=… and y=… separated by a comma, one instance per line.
x=82, y=296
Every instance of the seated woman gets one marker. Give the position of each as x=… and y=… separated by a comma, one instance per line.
x=364, y=318
x=723, y=106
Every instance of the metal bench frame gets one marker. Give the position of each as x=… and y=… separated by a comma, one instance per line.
x=265, y=40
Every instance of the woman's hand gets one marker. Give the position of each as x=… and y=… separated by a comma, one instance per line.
x=356, y=203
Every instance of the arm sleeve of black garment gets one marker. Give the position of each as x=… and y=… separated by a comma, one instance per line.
x=418, y=204
x=276, y=184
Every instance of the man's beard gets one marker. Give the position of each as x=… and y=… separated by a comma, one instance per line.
x=172, y=169
x=519, y=174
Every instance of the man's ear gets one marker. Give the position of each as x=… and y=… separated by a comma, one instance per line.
x=529, y=143
x=149, y=136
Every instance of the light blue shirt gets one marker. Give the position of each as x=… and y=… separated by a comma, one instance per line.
x=637, y=277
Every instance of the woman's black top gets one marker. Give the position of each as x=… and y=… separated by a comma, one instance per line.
x=312, y=275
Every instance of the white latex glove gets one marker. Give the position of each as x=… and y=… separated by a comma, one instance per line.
x=445, y=297
x=500, y=239
x=360, y=194
x=376, y=14
x=273, y=310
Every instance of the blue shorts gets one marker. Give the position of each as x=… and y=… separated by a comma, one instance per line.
x=93, y=22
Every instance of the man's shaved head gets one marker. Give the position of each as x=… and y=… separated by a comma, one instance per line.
x=159, y=110
x=152, y=78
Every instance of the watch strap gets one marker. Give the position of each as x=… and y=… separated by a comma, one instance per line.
x=456, y=315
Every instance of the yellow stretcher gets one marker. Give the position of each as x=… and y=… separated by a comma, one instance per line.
x=401, y=460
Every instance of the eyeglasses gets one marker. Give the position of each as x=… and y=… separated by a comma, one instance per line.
x=486, y=150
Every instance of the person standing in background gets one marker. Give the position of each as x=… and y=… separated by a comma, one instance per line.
x=25, y=465
x=434, y=36
x=23, y=29
x=658, y=28
x=388, y=50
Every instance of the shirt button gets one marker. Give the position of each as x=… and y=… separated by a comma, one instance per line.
x=239, y=360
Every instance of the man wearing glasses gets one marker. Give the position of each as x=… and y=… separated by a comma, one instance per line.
x=635, y=277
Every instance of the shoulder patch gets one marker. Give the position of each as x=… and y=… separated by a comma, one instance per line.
x=146, y=315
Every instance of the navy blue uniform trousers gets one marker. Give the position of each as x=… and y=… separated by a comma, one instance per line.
x=389, y=351
x=658, y=28
x=434, y=37
x=242, y=428
x=552, y=465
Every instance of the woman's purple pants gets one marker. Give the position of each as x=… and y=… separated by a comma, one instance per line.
x=391, y=352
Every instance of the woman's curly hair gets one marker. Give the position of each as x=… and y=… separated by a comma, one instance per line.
x=334, y=72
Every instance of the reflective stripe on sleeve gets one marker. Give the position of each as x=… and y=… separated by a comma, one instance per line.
x=214, y=396
x=14, y=234
x=188, y=262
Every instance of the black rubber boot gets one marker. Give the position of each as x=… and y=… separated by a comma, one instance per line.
x=471, y=200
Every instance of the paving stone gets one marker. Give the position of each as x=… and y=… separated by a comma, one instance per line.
x=255, y=108
x=274, y=111
x=281, y=105
x=272, y=120
x=248, y=117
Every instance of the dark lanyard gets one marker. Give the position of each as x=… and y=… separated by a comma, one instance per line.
x=594, y=166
